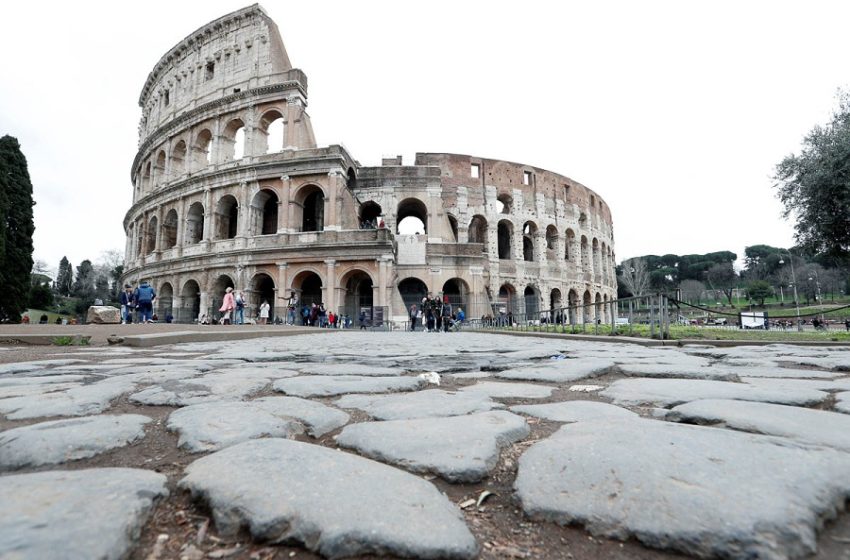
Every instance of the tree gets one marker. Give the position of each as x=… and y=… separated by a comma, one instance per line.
x=17, y=229
x=722, y=277
x=41, y=296
x=64, y=278
x=635, y=276
x=84, y=288
x=759, y=290
x=692, y=291
x=814, y=187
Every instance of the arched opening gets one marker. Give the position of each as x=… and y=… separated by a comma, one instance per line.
x=169, y=230
x=146, y=178
x=506, y=303
x=358, y=294
x=529, y=232
x=160, y=168
x=598, y=310
x=572, y=301
x=568, y=244
x=505, y=234
x=274, y=131
x=478, y=230
x=587, y=310
x=178, y=159
x=164, y=302
x=264, y=208
x=585, y=256
x=140, y=239
x=190, y=308
x=150, y=236
x=555, y=299
x=412, y=291
x=582, y=220
x=219, y=288
x=551, y=242
x=412, y=216
x=311, y=200
x=369, y=213
x=226, y=217
x=532, y=303
x=203, y=151
x=458, y=293
x=504, y=203
x=308, y=287
x=195, y=223
x=351, y=183
x=233, y=141
x=453, y=226
x=262, y=289
x=597, y=262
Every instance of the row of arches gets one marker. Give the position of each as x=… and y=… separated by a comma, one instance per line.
x=200, y=148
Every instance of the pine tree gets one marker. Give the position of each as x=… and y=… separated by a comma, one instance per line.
x=16, y=217
x=64, y=278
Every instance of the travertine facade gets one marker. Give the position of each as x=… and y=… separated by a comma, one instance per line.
x=230, y=189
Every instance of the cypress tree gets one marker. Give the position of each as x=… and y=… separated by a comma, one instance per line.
x=16, y=216
x=64, y=278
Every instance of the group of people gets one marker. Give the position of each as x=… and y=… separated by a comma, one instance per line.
x=375, y=223
x=233, y=309
x=435, y=314
x=139, y=301
x=315, y=315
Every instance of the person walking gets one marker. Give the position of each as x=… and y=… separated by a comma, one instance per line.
x=143, y=297
x=228, y=305
x=362, y=320
x=240, y=308
x=446, y=313
x=413, y=312
x=264, y=312
x=127, y=305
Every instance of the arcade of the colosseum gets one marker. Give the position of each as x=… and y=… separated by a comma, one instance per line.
x=230, y=189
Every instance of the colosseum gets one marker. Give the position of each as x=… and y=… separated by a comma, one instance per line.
x=231, y=190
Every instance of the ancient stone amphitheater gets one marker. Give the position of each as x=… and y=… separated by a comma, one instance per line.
x=230, y=189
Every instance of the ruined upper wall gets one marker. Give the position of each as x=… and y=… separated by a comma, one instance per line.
x=237, y=52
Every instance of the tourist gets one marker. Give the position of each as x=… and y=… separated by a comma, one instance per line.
x=413, y=313
x=228, y=305
x=362, y=320
x=305, y=315
x=240, y=308
x=291, y=307
x=461, y=316
x=446, y=313
x=314, y=314
x=25, y=319
x=127, y=305
x=264, y=313
x=143, y=296
x=847, y=324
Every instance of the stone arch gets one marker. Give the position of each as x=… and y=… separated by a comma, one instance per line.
x=164, y=301
x=358, y=292
x=585, y=255
x=351, y=179
x=159, y=169
x=569, y=245
x=529, y=232
x=453, y=226
x=264, y=212
x=226, y=217
x=190, y=308
x=262, y=289
x=531, y=298
x=555, y=299
x=169, y=229
x=178, y=159
x=233, y=141
x=370, y=211
x=478, y=230
x=596, y=262
x=573, y=303
x=587, y=310
x=412, y=214
x=272, y=133
x=457, y=291
x=551, y=241
x=307, y=285
x=310, y=205
x=412, y=291
x=146, y=177
x=598, y=308
x=150, y=236
x=195, y=223
x=505, y=238
x=219, y=288
x=203, y=149
x=507, y=300
x=504, y=203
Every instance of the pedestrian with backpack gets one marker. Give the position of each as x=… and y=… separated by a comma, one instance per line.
x=144, y=296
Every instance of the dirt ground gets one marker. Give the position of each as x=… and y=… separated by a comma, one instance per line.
x=181, y=528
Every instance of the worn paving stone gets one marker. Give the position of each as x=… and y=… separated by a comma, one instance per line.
x=671, y=392
x=842, y=402
x=30, y=389
x=348, y=369
x=680, y=371
x=59, y=441
x=210, y=387
x=92, y=513
x=93, y=398
x=574, y=411
x=26, y=367
x=782, y=372
x=252, y=355
x=813, y=426
x=216, y=425
x=325, y=386
x=319, y=418
x=457, y=448
x=497, y=390
x=674, y=486
x=559, y=371
x=430, y=403
x=334, y=503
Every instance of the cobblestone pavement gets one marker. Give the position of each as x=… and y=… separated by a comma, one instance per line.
x=415, y=445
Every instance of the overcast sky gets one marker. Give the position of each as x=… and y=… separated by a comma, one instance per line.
x=674, y=112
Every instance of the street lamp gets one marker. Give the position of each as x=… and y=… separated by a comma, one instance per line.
x=794, y=279
x=817, y=297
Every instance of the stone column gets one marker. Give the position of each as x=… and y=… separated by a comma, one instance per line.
x=209, y=213
x=330, y=285
x=478, y=296
x=540, y=247
x=158, y=232
x=243, y=228
x=283, y=211
x=181, y=227
x=282, y=280
x=333, y=202
x=434, y=205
